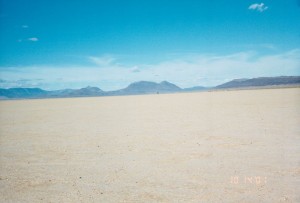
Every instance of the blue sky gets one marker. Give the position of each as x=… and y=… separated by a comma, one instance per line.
x=56, y=44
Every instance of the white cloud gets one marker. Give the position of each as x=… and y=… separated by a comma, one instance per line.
x=185, y=70
x=102, y=61
x=258, y=7
x=135, y=69
x=33, y=39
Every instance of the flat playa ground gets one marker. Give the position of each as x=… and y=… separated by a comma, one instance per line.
x=225, y=146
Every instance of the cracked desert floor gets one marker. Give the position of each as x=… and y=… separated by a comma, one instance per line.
x=219, y=146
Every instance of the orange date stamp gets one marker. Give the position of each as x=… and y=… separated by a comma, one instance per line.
x=257, y=180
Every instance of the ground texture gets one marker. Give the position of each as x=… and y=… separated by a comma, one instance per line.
x=223, y=146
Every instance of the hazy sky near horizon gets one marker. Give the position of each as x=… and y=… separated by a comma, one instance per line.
x=55, y=44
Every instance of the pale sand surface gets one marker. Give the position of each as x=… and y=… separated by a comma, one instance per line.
x=153, y=148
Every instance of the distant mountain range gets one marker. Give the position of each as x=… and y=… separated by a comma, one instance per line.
x=262, y=81
x=145, y=87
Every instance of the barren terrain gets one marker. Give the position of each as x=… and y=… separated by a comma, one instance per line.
x=224, y=146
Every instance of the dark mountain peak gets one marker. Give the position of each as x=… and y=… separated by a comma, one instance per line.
x=147, y=87
x=165, y=82
x=87, y=91
x=168, y=85
x=89, y=88
x=261, y=81
x=141, y=85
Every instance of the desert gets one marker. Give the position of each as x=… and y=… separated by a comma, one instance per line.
x=214, y=146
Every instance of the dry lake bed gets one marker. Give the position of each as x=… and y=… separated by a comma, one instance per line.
x=221, y=146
